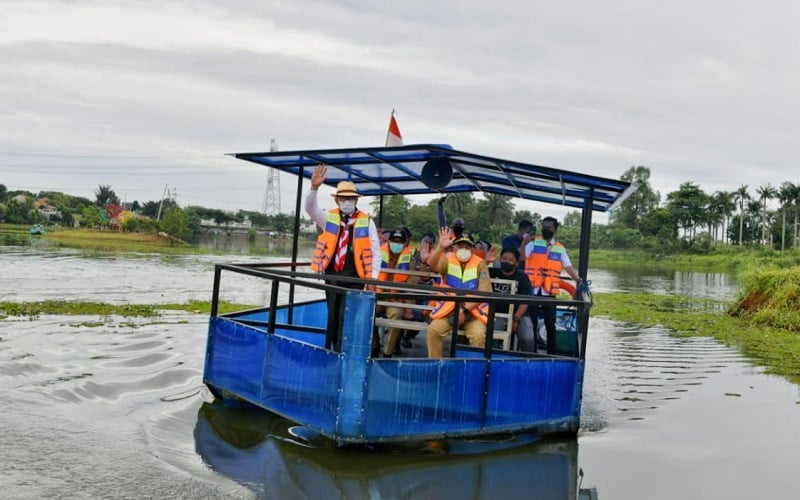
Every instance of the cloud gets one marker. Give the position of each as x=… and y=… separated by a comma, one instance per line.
x=142, y=94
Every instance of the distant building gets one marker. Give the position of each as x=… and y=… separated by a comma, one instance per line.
x=50, y=212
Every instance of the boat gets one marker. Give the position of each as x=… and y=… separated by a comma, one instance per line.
x=275, y=358
x=271, y=456
x=37, y=230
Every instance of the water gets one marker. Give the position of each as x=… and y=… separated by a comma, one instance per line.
x=110, y=407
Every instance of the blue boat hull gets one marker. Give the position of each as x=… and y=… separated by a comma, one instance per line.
x=353, y=398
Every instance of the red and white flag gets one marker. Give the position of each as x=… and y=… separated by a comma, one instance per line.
x=393, y=136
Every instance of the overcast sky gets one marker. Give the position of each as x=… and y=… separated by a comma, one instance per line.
x=143, y=94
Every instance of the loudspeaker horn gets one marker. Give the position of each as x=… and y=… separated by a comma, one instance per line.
x=437, y=173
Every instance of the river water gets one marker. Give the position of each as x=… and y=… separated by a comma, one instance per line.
x=113, y=407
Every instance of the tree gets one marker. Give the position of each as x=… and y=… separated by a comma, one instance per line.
x=630, y=212
x=741, y=196
x=765, y=193
x=105, y=196
x=394, y=212
x=91, y=216
x=3, y=193
x=535, y=218
x=786, y=196
x=491, y=217
x=175, y=222
x=753, y=213
x=720, y=207
x=571, y=219
x=689, y=206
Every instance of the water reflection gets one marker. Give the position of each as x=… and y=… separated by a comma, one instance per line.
x=717, y=286
x=277, y=460
x=243, y=244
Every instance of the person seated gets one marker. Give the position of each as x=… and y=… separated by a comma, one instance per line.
x=463, y=270
x=395, y=254
x=522, y=325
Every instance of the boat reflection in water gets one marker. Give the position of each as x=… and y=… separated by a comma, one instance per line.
x=278, y=459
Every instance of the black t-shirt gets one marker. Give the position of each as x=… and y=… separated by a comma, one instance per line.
x=523, y=285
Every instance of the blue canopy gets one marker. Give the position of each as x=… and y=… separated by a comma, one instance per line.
x=378, y=171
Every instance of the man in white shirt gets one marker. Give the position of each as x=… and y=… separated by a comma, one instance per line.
x=545, y=258
x=349, y=245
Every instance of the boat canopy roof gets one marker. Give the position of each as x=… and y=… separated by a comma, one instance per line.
x=379, y=171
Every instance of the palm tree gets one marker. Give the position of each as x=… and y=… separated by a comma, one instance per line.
x=721, y=207
x=785, y=197
x=765, y=193
x=740, y=196
x=105, y=195
x=796, y=197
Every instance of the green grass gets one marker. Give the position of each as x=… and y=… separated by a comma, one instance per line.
x=723, y=259
x=35, y=309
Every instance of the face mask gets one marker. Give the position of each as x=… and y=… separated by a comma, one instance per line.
x=347, y=207
x=463, y=254
x=395, y=247
x=507, y=267
x=547, y=234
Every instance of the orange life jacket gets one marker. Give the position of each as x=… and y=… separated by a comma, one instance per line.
x=328, y=239
x=543, y=266
x=465, y=278
x=403, y=264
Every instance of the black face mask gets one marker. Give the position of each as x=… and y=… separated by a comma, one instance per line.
x=547, y=234
x=507, y=267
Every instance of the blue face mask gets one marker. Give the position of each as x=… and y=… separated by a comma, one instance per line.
x=395, y=248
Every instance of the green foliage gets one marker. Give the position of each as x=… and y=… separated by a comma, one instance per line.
x=394, y=213
x=770, y=296
x=35, y=309
x=91, y=216
x=630, y=212
x=104, y=195
x=139, y=225
x=175, y=222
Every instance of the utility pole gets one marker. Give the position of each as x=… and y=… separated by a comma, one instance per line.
x=272, y=195
x=161, y=204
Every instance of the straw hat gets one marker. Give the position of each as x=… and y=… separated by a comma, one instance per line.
x=346, y=188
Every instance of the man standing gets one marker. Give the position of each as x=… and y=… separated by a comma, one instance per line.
x=545, y=258
x=346, y=247
x=459, y=269
x=522, y=325
x=524, y=228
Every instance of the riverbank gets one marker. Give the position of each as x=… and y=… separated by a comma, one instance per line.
x=723, y=259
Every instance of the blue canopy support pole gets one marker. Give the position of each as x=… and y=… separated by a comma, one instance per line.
x=586, y=233
x=583, y=270
x=295, y=242
x=273, y=306
x=380, y=213
x=215, y=292
x=356, y=344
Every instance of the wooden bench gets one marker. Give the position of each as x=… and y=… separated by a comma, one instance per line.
x=504, y=337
